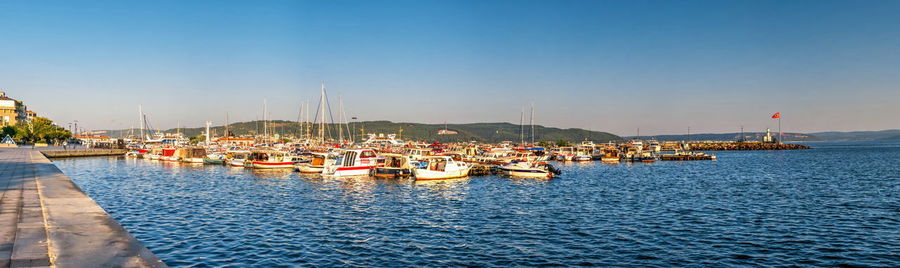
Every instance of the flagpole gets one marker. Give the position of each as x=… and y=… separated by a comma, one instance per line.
x=779, y=130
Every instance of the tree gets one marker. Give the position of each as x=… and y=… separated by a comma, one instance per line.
x=40, y=129
x=563, y=143
x=9, y=131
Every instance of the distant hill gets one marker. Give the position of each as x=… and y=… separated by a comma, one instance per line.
x=880, y=135
x=482, y=132
x=750, y=136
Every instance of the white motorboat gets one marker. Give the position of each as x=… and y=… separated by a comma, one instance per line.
x=442, y=167
x=353, y=163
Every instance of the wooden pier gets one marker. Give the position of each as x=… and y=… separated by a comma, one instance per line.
x=47, y=221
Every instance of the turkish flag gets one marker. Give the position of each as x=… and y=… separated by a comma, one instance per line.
x=776, y=115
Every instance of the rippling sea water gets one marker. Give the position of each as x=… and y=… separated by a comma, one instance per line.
x=837, y=204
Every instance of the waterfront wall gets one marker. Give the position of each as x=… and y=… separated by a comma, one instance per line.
x=52, y=222
x=57, y=153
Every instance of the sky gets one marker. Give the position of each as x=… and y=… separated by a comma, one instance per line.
x=615, y=66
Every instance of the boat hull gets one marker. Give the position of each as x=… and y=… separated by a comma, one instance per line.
x=424, y=174
x=308, y=169
x=214, y=161
x=382, y=172
x=271, y=165
x=193, y=160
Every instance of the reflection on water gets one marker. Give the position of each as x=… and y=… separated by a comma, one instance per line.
x=834, y=205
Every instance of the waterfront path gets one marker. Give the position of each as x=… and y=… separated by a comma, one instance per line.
x=46, y=220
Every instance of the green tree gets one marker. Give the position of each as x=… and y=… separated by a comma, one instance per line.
x=562, y=143
x=9, y=131
x=40, y=129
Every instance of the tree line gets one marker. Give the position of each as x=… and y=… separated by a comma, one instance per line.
x=37, y=130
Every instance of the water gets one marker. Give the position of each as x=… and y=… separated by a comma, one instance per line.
x=837, y=204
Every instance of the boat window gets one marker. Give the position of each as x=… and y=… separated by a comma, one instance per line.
x=349, y=158
x=366, y=154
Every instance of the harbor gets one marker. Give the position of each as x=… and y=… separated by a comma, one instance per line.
x=219, y=215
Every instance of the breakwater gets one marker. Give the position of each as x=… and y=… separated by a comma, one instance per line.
x=82, y=152
x=744, y=146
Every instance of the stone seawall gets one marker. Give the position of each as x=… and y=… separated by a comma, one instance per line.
x=56, y=153
x=47, y=220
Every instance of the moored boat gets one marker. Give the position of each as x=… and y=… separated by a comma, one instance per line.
x=269, y=159
x=530, y=170
x=357, y=162
x=395, y=166
x=316, y=164
x=442, y=167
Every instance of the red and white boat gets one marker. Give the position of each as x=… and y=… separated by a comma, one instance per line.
x=269, y=159
x=353, y=163
x=168, y=154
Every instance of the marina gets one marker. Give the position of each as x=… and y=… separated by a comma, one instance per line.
x=449, y=133
x=713, y=213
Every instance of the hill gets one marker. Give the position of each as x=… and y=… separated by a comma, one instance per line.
x=482, y=132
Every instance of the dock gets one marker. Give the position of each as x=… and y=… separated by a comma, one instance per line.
x=59, y=153
x=48, y=221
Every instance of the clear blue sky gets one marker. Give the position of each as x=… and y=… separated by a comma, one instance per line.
x=602, y=65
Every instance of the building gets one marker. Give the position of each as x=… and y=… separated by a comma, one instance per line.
x=30, y=115
x=234, y=142
x=12, y=111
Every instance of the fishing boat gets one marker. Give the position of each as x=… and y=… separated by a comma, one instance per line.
x=316, y=164
x=442, y=167
x=582, y=155
x=357, y=162
x=395, y=166
x=269, y=159
x=168, y=154
x=522, y=169
x=192, y=155
x=138, y=153
x=236, y=158
x=215, y=158
x=565, y=154
x=610, y=155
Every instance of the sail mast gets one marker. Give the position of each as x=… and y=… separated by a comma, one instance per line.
x=141, y=113
x=322, y=114
x=522, y=127
x=532, y=123
x=341, y=118
x=226, y=125
x=265, y=118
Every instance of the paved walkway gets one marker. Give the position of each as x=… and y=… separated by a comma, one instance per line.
x=46, y=220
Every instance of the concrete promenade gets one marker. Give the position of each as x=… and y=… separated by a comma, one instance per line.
x=47, y=221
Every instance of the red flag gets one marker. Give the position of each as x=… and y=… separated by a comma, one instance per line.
x=776, y=115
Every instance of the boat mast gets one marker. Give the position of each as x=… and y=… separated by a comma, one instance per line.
x=340, y=118
x=226, y=125
x=265, y=118
x=322, y=114
x=532, y=123
x=141, y=114
x=522, y=127
x=306, y=120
